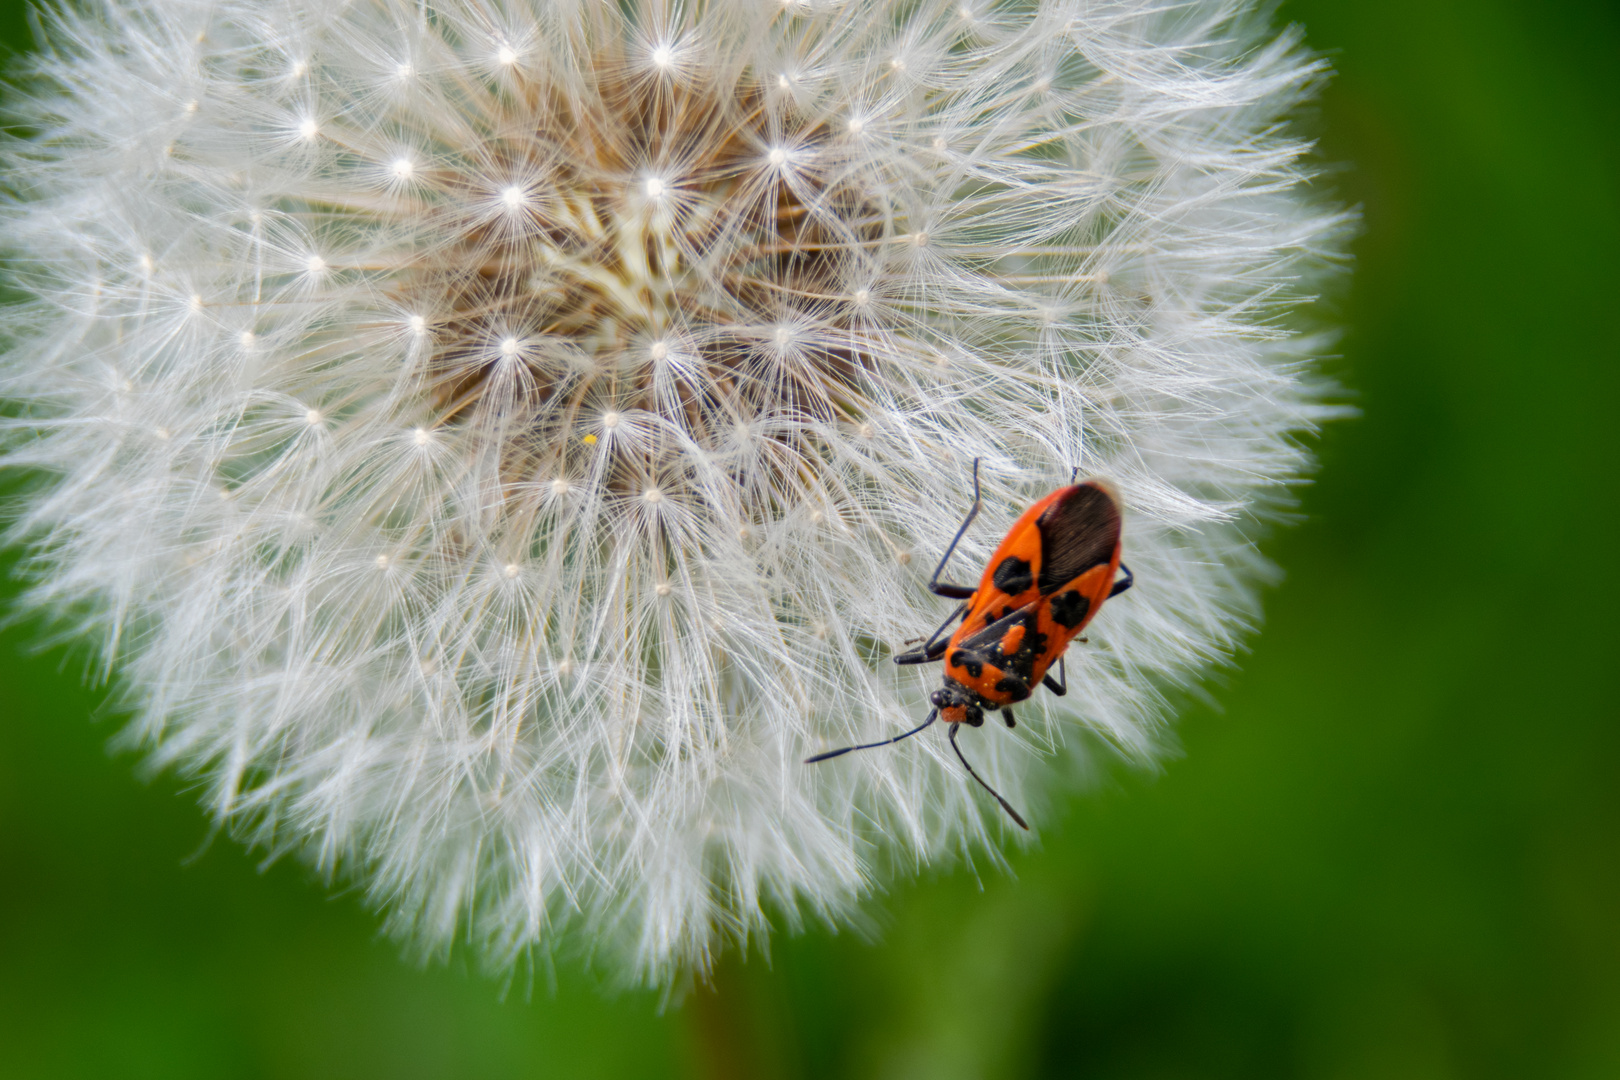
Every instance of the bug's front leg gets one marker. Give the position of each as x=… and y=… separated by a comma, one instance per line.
x=935, y=646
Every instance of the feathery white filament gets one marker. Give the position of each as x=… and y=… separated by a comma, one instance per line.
x=511, y=553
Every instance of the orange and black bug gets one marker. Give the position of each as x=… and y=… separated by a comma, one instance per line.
x=1044, y=583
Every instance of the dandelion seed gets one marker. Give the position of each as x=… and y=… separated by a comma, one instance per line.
x=631, y=330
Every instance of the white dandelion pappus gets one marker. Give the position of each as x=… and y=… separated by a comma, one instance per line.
x=495, y=443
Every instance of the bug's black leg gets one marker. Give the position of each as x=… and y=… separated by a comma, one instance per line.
x=1004, y=804
x=957, y=592
x=1061, y=687
x=1006, y=714
x=1123, y=583
x=935, y=648
x=932, y=715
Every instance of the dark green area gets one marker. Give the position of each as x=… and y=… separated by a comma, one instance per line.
x=1394, y=852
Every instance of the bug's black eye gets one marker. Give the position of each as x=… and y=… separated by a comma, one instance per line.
x=937, y=699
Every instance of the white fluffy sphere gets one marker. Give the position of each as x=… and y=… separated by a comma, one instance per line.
x=496, y=442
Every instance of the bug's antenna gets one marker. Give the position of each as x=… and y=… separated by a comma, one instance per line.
x=932, y=715
x=1004, y=804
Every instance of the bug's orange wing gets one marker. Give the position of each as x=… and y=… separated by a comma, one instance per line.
x=1080, y=542
x=1009, y=580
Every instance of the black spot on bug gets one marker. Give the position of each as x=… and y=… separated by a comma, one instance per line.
x=1013, y=689
x=1069, y=609
x=1012, y=576
x=968, y=662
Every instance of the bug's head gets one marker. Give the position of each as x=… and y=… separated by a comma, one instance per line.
x=956, y=704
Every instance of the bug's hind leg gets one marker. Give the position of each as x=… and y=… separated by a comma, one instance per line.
x=949, y=591
x=1006, y=714
x=1123, y=583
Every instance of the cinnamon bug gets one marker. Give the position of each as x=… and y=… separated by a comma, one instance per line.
x=1046, y=580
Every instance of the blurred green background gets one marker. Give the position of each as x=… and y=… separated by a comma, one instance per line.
x=1393, y=852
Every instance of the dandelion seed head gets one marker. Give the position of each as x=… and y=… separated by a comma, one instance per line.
x=623, y=334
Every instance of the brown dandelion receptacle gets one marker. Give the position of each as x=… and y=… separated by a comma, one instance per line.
x=688, y=248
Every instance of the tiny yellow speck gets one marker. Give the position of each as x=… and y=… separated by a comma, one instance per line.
x=589, y=440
